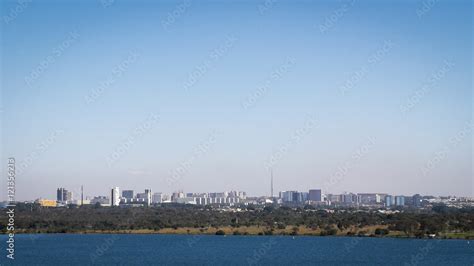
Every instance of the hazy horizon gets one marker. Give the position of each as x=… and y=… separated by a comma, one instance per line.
x=355, y=96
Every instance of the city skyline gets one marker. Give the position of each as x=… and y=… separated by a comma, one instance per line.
x=236, y=199
x=127, y=192
x=356, y=96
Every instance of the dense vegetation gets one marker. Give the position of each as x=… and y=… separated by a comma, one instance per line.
x=414, y=223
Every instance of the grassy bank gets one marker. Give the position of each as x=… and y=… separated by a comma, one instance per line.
x=368, y=231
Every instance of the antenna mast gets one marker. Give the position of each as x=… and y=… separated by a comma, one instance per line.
x=271, y=183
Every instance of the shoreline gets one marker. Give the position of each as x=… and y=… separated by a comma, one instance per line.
x=251, y=231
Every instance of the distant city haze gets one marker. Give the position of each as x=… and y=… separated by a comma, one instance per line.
x=355, y=96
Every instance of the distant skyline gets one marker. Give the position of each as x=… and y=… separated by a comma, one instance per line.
x=357, y=96
x=77, y=193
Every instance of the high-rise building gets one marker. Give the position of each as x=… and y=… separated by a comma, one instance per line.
x=315, y=194
x=389, y=201
x=287, y=196
x=293, y=196
x=177, y=195
x=62, y=195
x=128, y=194
x=115, y=197
x=417, y=200
x=145, y=197
x=102, y=200
x=378, y=198
x=370, y=198
x=349, y=198
x=69, y=197
x=157, y=197
x=304, y=196
x=148, y=196
x=400, y=200
x=333, y=198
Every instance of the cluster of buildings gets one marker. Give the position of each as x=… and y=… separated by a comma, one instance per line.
x=129, y=197
x=314, y=196
x=126, y=198
x=63, y=195
x=146, y=198
x=222, y=198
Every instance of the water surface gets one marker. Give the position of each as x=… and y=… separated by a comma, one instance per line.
x=129, y=249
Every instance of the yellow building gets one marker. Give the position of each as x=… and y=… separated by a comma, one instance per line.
x=46, y=202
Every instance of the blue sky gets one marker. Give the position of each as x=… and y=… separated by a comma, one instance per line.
x=378, y=89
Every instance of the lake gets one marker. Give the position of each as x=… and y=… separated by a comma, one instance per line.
x=132, y=249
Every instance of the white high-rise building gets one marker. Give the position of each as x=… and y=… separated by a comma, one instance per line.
x=148, y=196
x=157, y=197
x=115, y=197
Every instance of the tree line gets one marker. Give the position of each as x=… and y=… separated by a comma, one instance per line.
x=32, y=218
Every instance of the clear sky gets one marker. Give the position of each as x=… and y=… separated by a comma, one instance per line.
x=206, y=96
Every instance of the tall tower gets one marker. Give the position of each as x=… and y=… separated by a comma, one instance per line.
x=148, y=196
x=60, y=194
x=271, y=183
x=63, y=196
x=115, y=197
x=82, y=195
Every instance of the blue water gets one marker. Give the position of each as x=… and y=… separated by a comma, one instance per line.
x=67, y=249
